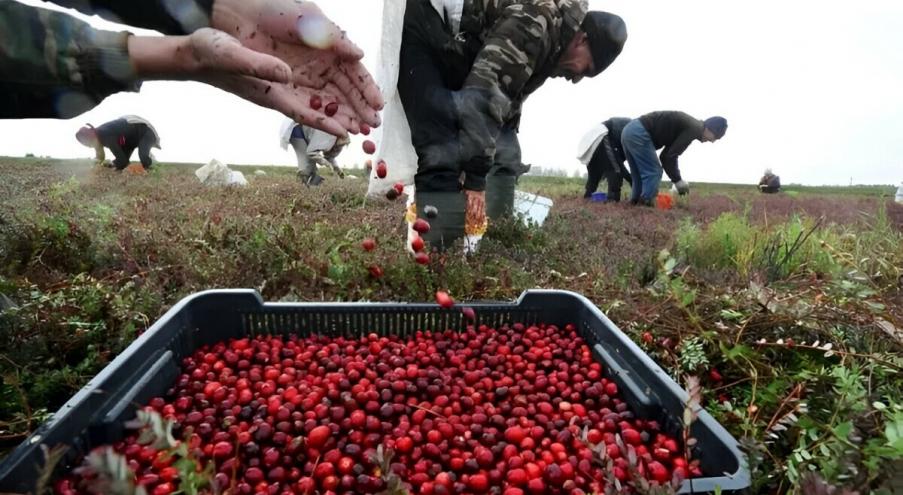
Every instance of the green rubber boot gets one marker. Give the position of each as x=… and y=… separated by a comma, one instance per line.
x=500, y=196
x=447, y=227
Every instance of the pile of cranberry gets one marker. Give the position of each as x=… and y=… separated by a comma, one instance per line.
x=511, y=410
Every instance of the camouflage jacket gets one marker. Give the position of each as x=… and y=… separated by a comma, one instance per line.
x=515, y=46
x=53, y=65
x=521, y=42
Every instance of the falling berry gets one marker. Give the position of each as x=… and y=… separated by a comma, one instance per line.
x=421, y=226
x=392, y=194
x=381, y=169
x=444, y=300
x=315, y=102
x=369, y=147
x=469, y=313
x=368, y=244
x=417, y=244
x=422, y=258
x=399, y=187
x=647, y=337
x=331, y=109
x=430, y=211
x=365, y=129
x=375, y=271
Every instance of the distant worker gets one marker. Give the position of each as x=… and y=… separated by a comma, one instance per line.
x=673, y=131
x=769, y=183
x=121, y=136
x=312, y=147
x=602, y=153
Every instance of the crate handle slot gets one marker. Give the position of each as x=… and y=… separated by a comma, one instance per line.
x=635, y=387
x=126, y=395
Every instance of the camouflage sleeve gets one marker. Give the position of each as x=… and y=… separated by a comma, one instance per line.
x=53, y=65
x=166, y=16
x=516, y=46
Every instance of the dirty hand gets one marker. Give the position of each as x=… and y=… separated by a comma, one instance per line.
x=475, y=208
x=323, y=61
x=682, y=187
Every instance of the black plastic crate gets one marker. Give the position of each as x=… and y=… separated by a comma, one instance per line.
x=151, y=364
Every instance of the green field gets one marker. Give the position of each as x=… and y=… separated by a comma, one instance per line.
x=722, y=282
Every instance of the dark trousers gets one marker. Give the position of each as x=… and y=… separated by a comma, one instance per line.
x=123, y=153
x=600, y=165
x=433, y=66
x=645, y=167
x=122, y=138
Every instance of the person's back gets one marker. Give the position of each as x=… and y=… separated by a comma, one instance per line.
x=666, y=127
x=770, y=183
x=121, y=136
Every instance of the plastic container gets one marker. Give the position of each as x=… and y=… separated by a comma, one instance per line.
x=149, y=366
x=899, y=197
x=533, y=208
x=664, y=201
x=599, y=197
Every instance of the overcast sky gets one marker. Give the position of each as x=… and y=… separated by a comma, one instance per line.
x=810, y=88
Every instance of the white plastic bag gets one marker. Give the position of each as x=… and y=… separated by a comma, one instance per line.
x=899, y=197
x=532, y=208
x=393, y=137
x=217, y=174
x=214, y=174
x=237, y=179
x=589, y=142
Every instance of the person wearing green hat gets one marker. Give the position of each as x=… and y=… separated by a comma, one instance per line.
x=466, y=68
x=673, y=131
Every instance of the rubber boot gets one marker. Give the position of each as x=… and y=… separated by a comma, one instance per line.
x=447, y=227
x=500, y=196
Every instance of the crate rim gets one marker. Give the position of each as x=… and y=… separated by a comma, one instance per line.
x=736, y=480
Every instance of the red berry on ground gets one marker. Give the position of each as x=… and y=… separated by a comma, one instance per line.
x=375, y=271
x=368, y=244
x=715, y=375
x=422, y=258
x=399, y=187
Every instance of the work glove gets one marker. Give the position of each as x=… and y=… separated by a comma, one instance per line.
x=682, y=187
x=480, y=113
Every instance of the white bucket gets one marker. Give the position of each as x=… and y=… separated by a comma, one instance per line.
x=533, y=208
x=899, y=198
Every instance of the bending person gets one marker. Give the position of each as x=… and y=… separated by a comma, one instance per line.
x=607, y=160
x=122, y=136
x=466, y=68
x=673, y=131
x=313, y=147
